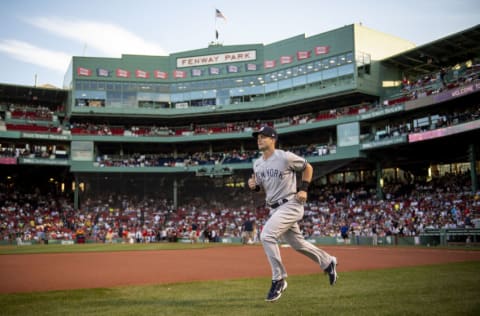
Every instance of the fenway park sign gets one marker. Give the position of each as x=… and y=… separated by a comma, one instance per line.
x=217, y=59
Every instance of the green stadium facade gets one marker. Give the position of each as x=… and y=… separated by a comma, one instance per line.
x=340, y=94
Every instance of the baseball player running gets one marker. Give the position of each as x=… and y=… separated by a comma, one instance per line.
x=275, y=174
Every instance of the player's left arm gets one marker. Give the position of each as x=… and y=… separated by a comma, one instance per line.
x=307, y=175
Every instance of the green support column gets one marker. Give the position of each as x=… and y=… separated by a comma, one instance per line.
x=473, y=169
x=75, y=193
x=175, y=189
x=378, y=173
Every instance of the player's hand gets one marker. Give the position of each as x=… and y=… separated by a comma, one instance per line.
x=301, y=196
x=252, y=182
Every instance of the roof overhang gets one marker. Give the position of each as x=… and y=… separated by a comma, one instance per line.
x=447, y=51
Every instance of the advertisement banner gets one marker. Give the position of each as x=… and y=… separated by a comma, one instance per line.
x=455, y=93
x=8, y=161
x=442, y=132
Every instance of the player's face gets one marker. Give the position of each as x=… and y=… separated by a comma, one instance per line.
x=265, y=142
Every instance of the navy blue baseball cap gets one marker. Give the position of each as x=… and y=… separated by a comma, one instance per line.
x=266, y=131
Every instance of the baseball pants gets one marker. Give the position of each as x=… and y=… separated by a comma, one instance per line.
x=283, y=222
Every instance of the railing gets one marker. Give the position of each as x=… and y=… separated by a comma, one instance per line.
x=445, y=236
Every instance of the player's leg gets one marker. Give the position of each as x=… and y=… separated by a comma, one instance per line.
x=278, y=223
x=327, y=262
x=295, y=239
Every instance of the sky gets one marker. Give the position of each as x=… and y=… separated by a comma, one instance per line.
x=39, y=38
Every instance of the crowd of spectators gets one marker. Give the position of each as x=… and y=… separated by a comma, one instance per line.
x=203, y=158
x=407, y=210
x=168, y=160
x=437, y=120
x=77, y=128
x=34, y=150
x=30, y=113
x=105, y=129
x=411, y=88
x=435, y=82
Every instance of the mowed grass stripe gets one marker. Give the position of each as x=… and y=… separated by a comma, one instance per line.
x=93, y=247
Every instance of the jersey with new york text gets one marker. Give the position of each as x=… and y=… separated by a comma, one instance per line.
x=277, y=174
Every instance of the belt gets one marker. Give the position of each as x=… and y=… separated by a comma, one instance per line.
x=278, y=203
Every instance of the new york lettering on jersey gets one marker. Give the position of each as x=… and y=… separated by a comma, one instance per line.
x=269, y=173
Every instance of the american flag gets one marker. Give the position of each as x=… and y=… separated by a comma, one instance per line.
x=196, y=72
x=214, y=70
x=219, y=14
x=101, y=72
x=232, y=68
x=251, y=67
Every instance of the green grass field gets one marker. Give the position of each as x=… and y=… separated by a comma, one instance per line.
x=93, y=247
x=451, y=289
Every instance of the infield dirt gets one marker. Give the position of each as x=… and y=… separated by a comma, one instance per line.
x=46, y=272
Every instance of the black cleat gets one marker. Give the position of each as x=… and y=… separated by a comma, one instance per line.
x=276, y=290
x=331, y=270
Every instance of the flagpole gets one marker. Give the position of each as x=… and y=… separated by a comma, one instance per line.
x=215, y=33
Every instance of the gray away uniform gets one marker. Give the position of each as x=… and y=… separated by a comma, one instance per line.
x=277, y=177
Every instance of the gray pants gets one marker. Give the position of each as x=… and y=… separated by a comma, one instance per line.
x=283, y=222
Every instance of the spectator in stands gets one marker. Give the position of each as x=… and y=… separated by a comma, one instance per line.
x=344, y=229
x=193, y=233
x=247, y=232
x=109, y=236
x=415, y=206
x=374, y=234
x=206, y=235
x=214, y=236
x=443, y=73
